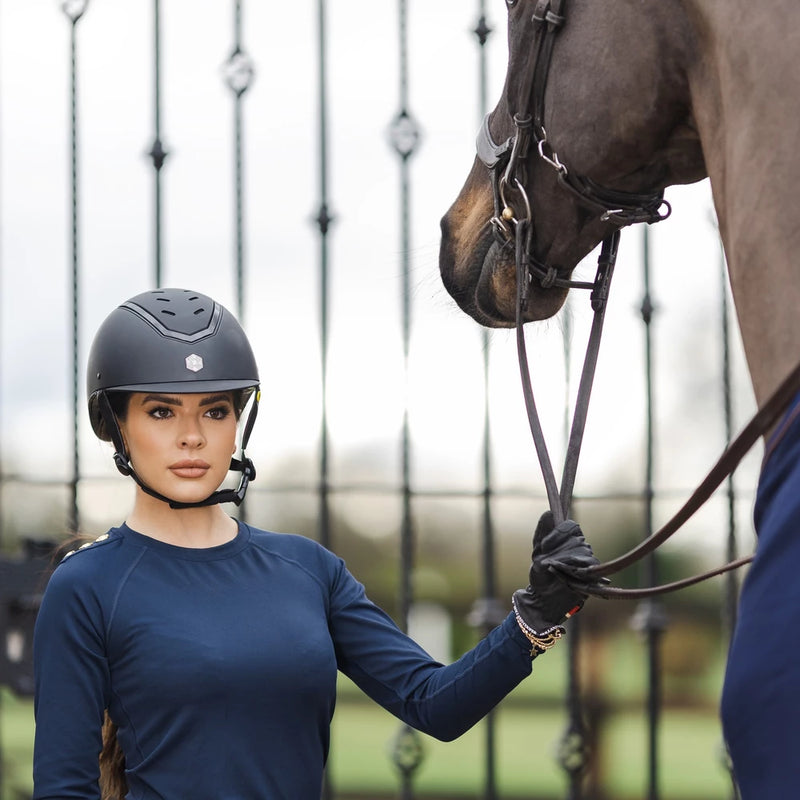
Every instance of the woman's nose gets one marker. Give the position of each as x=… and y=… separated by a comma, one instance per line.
x=191, y=434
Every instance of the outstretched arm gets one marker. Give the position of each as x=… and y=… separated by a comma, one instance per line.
x=445, y=701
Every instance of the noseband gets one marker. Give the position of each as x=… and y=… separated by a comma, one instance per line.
x=513, y=225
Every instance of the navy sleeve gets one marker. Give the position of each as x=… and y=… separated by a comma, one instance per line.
x=442, y=701
x=72, y=687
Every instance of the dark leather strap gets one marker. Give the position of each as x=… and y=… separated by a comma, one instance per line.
x=615, y=593
x=589, y=579
x=759, y=425
x=560, y=501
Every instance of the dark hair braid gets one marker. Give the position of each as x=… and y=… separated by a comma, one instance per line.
x=113, y=785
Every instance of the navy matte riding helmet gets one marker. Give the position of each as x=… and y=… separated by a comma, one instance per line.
x=169, y=340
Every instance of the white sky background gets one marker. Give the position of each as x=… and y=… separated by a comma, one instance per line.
x=282, y=196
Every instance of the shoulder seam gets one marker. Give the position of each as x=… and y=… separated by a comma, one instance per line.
x=123, y=582
x=293, y=561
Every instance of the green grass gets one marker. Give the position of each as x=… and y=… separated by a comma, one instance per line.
x=690, y=762
x=527, y=740
x=16, y=741
x=361, y=756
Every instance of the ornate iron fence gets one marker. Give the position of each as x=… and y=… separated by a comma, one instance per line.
x=266, y=201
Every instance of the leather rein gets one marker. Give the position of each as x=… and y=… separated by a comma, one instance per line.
x=506, y=165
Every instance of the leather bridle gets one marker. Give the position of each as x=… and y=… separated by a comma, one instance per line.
x=506, y=162
x=514, y=224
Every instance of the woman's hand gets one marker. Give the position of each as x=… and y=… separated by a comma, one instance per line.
x=559, y=552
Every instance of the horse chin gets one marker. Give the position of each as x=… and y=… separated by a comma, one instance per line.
x=496, y=292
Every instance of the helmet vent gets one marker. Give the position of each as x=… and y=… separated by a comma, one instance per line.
x=187, y=318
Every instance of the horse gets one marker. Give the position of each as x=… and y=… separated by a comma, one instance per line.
x=604, y=106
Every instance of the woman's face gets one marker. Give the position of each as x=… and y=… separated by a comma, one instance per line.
x=181, y=444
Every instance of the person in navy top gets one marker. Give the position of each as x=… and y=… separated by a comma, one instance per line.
x=186, y=654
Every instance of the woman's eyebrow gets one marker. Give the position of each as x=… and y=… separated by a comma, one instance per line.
x=162, y=398
x=215, y=398
x=176, y=401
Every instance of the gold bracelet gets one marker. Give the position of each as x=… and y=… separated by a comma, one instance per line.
x=540, y=642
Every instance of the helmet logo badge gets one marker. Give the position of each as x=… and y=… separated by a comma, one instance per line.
x=194, y=363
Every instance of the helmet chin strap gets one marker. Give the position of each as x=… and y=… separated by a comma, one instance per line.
x=243, y=465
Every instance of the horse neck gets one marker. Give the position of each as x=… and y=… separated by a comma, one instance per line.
x=746, y=102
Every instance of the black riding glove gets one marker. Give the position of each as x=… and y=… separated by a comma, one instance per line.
x=558, y=551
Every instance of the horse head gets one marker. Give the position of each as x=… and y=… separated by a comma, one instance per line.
x=594, y=121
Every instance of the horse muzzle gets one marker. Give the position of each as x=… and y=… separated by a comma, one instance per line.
x=478, y=268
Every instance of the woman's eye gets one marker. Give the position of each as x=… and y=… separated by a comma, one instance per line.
x=511, y=3
x=160, y=412
x=220, y=412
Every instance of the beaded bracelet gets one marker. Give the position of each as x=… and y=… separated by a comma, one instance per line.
x=540, y=642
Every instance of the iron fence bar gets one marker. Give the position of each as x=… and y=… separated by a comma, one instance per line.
x=488, y=610
x=407, y=545
x=238, y=77
x=407, y=751
x=2, y=479
x=239, y=90
x=157, y=152
x=239, y=73
x=2, y=483
x=323, y=220
x=573, y=750
x=407, y=534
x=650, y=617
x=74, y=514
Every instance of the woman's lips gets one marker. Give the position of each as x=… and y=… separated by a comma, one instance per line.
x=189, y=468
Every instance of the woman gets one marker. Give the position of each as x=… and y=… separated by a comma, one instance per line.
x=211, y=645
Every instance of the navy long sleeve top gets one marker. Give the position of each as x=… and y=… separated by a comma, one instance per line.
x=218, y=666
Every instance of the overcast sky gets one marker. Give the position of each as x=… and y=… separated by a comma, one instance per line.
x=281, y=146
